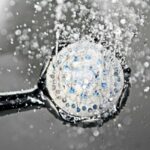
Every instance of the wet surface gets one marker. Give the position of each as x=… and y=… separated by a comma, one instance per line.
x=39, y=129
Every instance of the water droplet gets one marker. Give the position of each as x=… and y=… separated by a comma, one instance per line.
x=146, y=64
x=146, y=89
x=123, y=21
x=96, y=133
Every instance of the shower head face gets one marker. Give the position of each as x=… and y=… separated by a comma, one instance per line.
x=85, y=80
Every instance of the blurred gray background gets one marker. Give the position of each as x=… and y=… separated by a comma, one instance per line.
x=40, y=130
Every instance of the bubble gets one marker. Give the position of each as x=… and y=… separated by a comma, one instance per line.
x=146, y=89
x=119, y=125
x=38, y=7
x=3, y=31
x=12, y=2
x=123, y=21
x=96, y=133
x=146, y=64
x=114, y=1
x=80, y=130
x=18, y=32
x=60, y=1
x=31, y=126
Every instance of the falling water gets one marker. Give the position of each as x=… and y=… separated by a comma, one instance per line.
x=114, y=23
